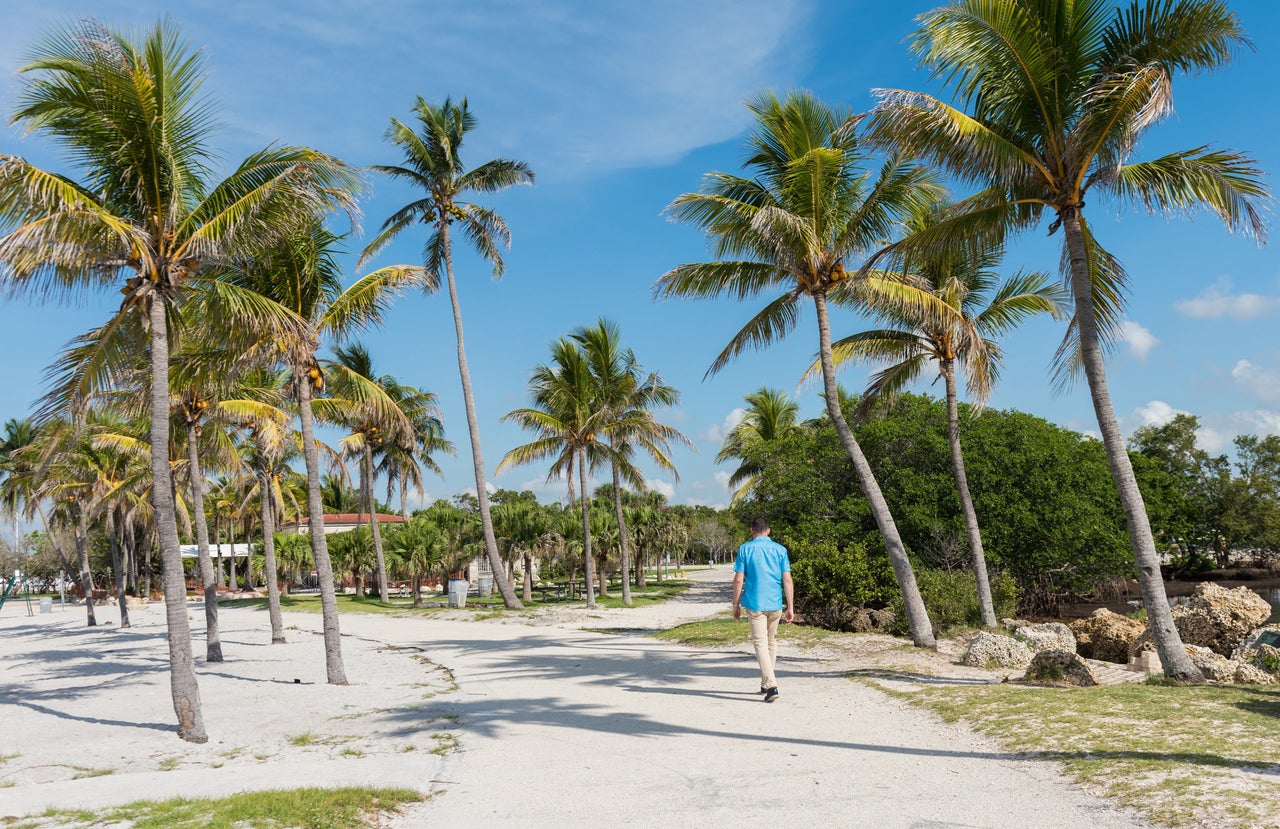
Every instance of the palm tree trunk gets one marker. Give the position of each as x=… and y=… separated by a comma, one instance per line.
x=623, y=553
x=182, y=670
x=117, y=566
x=482, y=494
x=589, y=564
x=82, y=554
x=640, y=564
x=213, y=638
x=1173, y=656
x=366, y=466
x=269, y=557
x=528, y=577
x=985, y=604
x=337, y=675
x=917, y=616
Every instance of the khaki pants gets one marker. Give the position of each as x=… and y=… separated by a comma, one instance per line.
x=764, y=635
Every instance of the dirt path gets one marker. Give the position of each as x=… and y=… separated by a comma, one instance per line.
x=554, y=725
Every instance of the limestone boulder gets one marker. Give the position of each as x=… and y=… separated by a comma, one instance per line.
x=991, y=650
x=1060, y=668
x=1265, y=635
x=1047, y=636
x=1247, y=674
x=1106, y=635
x=1214, y=666
x=1219, y=619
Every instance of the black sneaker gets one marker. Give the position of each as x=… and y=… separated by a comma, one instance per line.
x=770, y=695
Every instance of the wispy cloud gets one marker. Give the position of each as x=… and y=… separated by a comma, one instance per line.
x=1260, y=382
x=1217, y=302
x=716, y=432
x=573, y=87
x=1139, y=339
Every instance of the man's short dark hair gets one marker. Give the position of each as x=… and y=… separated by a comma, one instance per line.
x=759, y=524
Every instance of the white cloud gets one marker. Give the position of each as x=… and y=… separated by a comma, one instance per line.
x=1140, y=339
x=1217, y=302
x=667, y=490
x=722, y=478
x=1258, y=381
x=1155, y=413
x=716, y=432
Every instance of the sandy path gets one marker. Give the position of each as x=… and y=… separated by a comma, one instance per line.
x=556, y=726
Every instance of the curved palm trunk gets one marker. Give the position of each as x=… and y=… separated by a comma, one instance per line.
x=337, y=675
x=82, y=555
x=269, y=558
x=213, y=638
x=366, y=468
x=623, y=553
x=589, y=564
x=118, y=567
x=482, y=494
x=917, y=616
x=182, y=670
x=1173, y=655
x=979, y=559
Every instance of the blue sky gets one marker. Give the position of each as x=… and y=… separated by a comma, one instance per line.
x=619, y=107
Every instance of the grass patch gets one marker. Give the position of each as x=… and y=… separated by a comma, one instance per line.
x=1183, y=755
x=724, y=630
x=170, y=763
x=4, y=758
x=87, y=771
x=310, y=738
x=444, y=743
x=348, y=808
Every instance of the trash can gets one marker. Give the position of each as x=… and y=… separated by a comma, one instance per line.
x=486, y=585
x=457, y=592
x=46, y=604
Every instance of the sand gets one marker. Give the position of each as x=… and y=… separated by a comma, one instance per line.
x=538, y=722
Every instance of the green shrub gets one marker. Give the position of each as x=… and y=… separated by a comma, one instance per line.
x=825, y=573
x=951, y=598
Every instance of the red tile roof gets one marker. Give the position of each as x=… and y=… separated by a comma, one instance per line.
x=353, y=518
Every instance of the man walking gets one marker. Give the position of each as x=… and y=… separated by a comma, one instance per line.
x=762, y=584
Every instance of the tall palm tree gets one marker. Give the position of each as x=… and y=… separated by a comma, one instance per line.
x=1054, y=97
x=433, y=163
x=18, y=435
x=770, y=414
x=628, y=395
x=371, y=433
x=571, y=423
x=130, y=116
x=800, y=225
x=983, y=308
x=301, y=273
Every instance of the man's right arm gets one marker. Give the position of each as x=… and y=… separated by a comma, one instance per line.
x=738, y=579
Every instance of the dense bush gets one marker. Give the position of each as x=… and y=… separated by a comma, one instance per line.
x=824, y=573
x=1049, y=512
x=952, y=599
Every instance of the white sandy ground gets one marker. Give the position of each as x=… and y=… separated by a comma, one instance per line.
x=555, y=725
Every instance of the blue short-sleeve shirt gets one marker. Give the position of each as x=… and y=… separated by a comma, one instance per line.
x=762, y=562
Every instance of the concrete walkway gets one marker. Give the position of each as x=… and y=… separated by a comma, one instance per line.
x=572, y=728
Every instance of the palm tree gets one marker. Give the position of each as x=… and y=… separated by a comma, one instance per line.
x=415, y=424
x=628, y=395
x=433, y=163
x=130, y=116
x=809, y=211
x=983, y=308
x=301, y=274
x=18, y=435
x=1054, y=96
x=571, y=423
x=770, y=414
